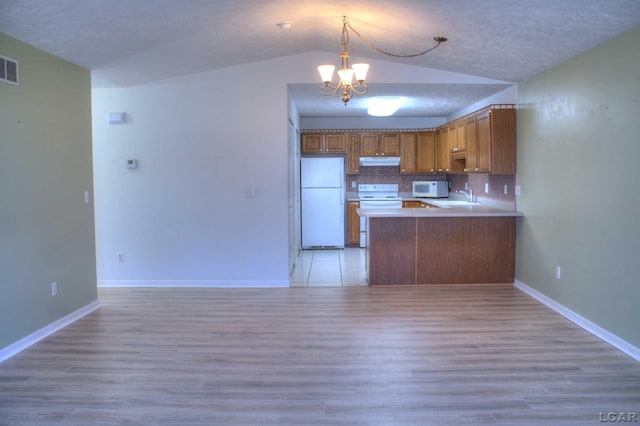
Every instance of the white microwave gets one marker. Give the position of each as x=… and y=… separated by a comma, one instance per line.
x=431, y=188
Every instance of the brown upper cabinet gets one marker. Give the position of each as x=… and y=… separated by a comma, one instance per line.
x=319, y=143
x=457, y=136
x=494, y=148
x=376, y=144
x=426, y=153
x=369, y=144
x=353, y=153
x=408, y=149
x=463, y=161
x=481, y=142
x=442, y=150
x=390, y=145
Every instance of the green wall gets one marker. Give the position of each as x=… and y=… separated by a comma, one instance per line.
x=578, y=167
x=46, y=229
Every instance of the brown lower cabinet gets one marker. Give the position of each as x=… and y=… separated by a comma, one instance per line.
x=441, y=250
x=414, y=204
x=353, y=224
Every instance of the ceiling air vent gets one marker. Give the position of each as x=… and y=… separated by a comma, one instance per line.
x=8, y=70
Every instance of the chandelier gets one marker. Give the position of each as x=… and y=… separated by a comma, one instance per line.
x=346, y=87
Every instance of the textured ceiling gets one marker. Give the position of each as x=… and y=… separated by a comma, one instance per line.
x=130, y=42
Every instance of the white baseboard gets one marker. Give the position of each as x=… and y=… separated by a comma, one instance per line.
x=596, y=330
x=192, y=283
x=24, y=343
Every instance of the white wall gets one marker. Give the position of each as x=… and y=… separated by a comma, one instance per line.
x=202, y=141
x=183, y=216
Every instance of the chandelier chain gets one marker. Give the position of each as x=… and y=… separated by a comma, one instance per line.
x=346, y=23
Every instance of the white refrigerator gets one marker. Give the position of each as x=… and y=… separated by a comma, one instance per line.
x=322, y=202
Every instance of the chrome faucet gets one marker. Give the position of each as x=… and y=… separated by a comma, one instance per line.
x=469, y=194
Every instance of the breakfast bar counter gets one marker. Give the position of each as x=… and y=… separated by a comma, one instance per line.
x=461, y=243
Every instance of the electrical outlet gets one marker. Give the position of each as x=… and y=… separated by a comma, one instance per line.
x=466, y=185
x=353, y=184
x=486, y=188
x=54, y=288
x=517, y=189
x=558, y=272
x=250, y=192
x=506, y=189
x=120, y=256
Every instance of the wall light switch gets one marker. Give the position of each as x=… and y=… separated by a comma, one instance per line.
x=486, y=188
x=86, y=197
x=506, y=189
x=518, y=189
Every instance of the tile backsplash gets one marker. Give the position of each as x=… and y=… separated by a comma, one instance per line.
x=389, y=175
x=475, y=181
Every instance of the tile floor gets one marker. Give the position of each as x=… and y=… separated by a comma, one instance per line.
x=330, y=268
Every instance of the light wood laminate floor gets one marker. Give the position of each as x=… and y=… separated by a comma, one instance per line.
x=319, y=356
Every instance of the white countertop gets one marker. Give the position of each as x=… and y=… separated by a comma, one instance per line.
x=443, y=210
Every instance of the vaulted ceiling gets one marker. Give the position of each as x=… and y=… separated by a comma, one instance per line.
x=136, y=41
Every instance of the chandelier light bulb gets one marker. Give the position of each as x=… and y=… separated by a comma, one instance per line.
x=360, y=71
x=326, y=73
x=345, y=88
x=346, y=76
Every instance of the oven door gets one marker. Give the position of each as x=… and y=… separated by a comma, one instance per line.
x=380, y=204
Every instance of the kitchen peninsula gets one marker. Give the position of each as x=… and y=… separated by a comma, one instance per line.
x=461, y=244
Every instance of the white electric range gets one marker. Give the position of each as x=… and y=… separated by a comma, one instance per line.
x=376, y=196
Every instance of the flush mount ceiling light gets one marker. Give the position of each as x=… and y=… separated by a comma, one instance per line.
x=384, y=106
x=345, y=88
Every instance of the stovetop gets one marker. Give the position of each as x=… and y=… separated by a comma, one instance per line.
x=378, y=191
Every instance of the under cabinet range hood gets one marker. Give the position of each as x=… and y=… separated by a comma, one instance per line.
x=379, y=161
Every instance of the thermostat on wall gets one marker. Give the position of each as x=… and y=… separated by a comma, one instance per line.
x=132, y=164
x=116, y=117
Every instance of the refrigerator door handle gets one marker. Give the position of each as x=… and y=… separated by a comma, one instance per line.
x=342, y=201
